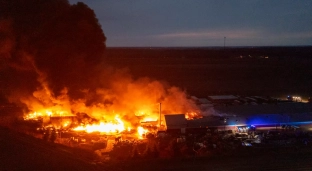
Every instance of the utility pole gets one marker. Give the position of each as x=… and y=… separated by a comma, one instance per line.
x=224, y=42
x=159, y=115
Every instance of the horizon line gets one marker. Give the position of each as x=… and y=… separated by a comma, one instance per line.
x=221, y=47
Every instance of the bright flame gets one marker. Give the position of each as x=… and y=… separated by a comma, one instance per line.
x=65, y=124
x=136, y=102
x=192, y=115
x=141, y=132
x=149, y=118
x=46, y=113
x=103, y=127
x=33, y=116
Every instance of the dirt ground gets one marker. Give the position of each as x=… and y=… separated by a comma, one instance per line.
x=250, y=160
x=24, y=152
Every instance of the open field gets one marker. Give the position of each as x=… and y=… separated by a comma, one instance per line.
x=243, y=71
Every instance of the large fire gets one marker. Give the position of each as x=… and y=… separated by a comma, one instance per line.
x=136, y=108
x=55, y=68
x=107, y=127
x=103, y=123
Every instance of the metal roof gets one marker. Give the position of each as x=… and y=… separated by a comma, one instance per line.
x=223, y=97
x=175, y=121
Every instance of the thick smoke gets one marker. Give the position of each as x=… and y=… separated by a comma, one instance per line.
x=48, y=41
x=51, y=56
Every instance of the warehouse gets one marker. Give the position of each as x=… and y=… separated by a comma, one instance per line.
x=266, y=116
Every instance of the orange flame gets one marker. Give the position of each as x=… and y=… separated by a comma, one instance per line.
x=103, y=127
x=141, y=131
x=137, y=103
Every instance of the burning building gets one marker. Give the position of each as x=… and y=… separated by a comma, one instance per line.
x=238, y=118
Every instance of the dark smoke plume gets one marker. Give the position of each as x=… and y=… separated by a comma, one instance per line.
x=48, y=42
x=51, y=63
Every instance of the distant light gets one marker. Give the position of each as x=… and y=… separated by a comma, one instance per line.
x=297, y=98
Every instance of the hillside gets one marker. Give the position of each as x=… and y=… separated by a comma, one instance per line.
x=23, y=152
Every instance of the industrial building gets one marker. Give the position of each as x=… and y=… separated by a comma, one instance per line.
x=231, y=117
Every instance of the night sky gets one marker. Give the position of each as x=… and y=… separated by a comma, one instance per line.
x=180, y=23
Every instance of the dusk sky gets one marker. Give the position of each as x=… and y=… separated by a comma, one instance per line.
x=189, y=23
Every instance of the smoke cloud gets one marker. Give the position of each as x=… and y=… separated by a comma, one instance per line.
x=51, y=42
x=51, y=57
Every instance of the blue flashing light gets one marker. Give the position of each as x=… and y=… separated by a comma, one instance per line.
x=265, y=119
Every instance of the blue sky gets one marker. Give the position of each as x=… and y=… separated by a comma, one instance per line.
x=189, y=23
